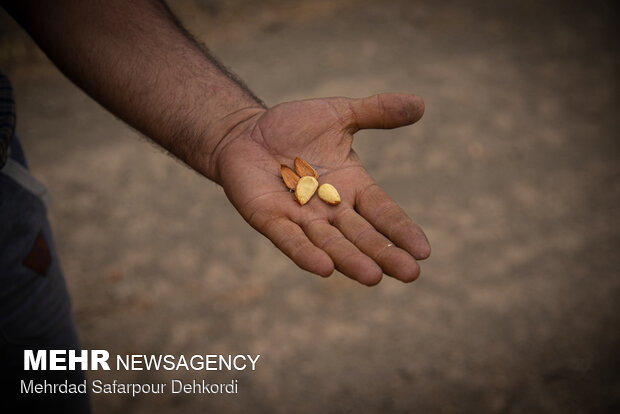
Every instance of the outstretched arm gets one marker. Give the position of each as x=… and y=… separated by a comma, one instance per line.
x=135, y=59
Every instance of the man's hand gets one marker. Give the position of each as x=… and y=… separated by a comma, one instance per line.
x=135, y=59
x=367, y=234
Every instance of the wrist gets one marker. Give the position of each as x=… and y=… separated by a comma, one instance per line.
x=219, y=135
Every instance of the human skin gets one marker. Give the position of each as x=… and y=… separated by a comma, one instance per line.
x=135, y=59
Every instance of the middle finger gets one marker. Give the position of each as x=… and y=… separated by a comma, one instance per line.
x=347, y=258
x=394, y=261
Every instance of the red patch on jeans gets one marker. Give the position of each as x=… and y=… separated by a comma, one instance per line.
x=39, y=259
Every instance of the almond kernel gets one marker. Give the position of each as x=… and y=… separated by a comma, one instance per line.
x=306, y=187
x=329, y=194
x=289, y=177
x=304, y=169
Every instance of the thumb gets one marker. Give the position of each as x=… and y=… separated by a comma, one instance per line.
x=385, y=111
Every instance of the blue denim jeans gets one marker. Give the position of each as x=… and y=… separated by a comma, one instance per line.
x=35, y=309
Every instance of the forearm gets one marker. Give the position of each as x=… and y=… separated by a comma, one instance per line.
x=133, y=58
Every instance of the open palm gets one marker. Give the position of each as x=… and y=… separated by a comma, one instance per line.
x=363, y=237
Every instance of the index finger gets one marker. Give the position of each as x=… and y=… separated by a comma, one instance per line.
x=386, y=216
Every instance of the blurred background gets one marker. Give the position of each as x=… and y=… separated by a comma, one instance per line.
x=513, y=173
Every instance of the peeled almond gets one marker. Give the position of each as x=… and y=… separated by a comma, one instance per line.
x=289, y=177
x=304, y=169
x=329, y=194
x=306, y=187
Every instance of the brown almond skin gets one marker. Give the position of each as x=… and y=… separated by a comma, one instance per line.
x=288, y=175
x=304, y=169
x=329, y=194
x=306, y=187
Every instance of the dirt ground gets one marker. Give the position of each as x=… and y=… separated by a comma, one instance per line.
x=513, y=173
